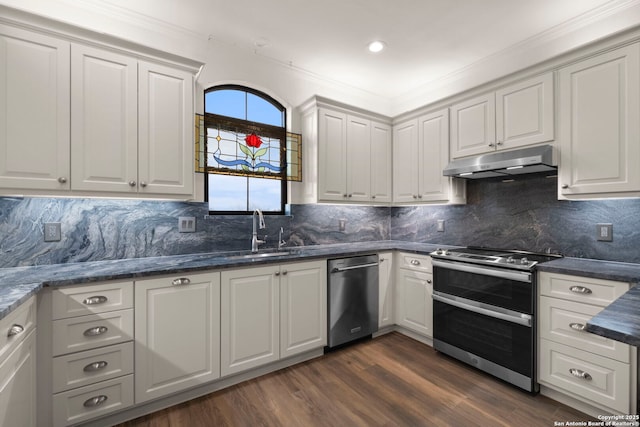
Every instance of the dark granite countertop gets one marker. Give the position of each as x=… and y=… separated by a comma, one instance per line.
x=620, y=320
x=18, y=284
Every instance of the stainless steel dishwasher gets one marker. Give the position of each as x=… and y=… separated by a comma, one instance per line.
x=353, y=298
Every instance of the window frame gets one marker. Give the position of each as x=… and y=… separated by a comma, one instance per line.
x=256, y=127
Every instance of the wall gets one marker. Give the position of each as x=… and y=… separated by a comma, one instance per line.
x=524, y=214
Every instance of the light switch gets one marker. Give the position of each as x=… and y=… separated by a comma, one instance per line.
x=441, y=225
x=187, y=224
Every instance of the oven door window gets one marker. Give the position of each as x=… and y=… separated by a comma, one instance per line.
x=499, y=341
x=501, y=292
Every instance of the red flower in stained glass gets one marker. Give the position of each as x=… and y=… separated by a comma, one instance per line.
x=253, y=140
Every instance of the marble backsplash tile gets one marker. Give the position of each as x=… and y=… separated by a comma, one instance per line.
x=524, y=214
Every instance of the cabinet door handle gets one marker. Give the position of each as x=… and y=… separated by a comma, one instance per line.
x=284, y=273
x=15, y=330
x=93, y=332
x=491, y=144
x=95, y=366
x=143, y=184
x=429, y=281
x=415, y=262
x=580, y=290
x=95, y=401
x=132, y=183
x=98, y=299
x=181, y=281
x=565, y=186
x=499, y=143
x=277, y=273
x=580, y=374
x=62, y=180
x=577, y=326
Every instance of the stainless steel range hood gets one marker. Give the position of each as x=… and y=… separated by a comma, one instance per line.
x=503, y=163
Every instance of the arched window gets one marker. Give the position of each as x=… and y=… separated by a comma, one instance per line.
x=246, y=151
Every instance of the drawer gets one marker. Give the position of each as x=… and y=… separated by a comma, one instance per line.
x=75, y=301
x=414, y=262
x=561, y=321
x=91, y=366
x=581, y=289
x=89, y=332
x=607, y=382
x=17, y=325
x=88, y=402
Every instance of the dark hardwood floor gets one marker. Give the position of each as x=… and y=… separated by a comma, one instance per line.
x=388, y=381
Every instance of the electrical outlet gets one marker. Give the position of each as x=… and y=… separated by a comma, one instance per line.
x=52, y=232
x=342, y=224
x=604, y=232
x=441, y=225
x=187, y=224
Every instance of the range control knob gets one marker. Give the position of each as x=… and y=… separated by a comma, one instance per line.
x=439, y=251
x=524, y=261
x=446, y=252
x=510, y=260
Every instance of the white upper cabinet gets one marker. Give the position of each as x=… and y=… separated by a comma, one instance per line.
x=34, y=110
x=420, y=153
x=165, y=141
x=518, y=115
x=599, y=126
x=93, y=118
x=104, y=120
x=354, y=157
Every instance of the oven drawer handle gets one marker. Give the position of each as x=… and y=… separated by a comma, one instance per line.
x=580, y=374
x=519, y=276
x=354, y=267
x=520, y=319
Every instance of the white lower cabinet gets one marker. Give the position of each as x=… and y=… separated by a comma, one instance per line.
x=414, y=286
x=385, y=289
x=271, y=312
x=18, y=367
x=177, y=340
x=584, y=366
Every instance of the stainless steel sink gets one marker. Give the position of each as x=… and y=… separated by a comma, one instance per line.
x=260, y=255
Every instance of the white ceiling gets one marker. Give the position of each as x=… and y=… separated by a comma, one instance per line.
x=426, y=39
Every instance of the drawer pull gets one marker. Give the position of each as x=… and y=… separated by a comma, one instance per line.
x=98, y=330
x=181, y=281
x=577, y=326
x=100, y=299
x=95, y=401
x=580, y=290
x=415, y=262
x=95, y=366
x=580, y=374
x=15, y=330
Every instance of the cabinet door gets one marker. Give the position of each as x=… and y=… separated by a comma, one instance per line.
x=405, y=162
x=380, y=162
x=165, y=130
x=413, y=301
x=599, y=126
x=303, y=307
x=433, y=139
x=177, y=331
x=18, y=385
x=385, y=290
x=358, y=168
x=524, y=113
x=473, y=126
x=249, y=319
x=34, y=111
x=332, y=155
x=104, y=120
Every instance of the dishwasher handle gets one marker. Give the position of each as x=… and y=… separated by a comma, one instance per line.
x=354, y=267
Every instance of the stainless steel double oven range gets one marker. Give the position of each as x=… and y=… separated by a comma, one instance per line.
x=484, y=306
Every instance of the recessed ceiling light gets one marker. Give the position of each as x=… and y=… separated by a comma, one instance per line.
x=376, y=46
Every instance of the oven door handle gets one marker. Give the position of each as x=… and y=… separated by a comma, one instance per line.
x=507, y=315
x=519, y=276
